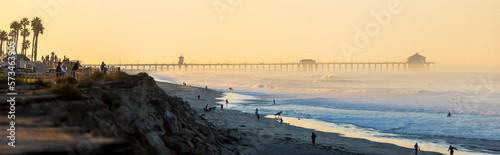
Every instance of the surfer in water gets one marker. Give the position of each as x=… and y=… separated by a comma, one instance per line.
x=449, y=114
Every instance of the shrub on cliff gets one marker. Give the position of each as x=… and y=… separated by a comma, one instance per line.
x=142, y=74
x=117, y=76
x=41, y=83
x=111, y=99
x=96, y=75
x=69, y=80
x=65, y=87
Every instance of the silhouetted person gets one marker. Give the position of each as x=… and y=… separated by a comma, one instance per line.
x=281, y=120
x=58, y=69
x=63, y=71
x=75, y=68
x=206, y=88
x=103, y=66
x=274, y=101
x=449, y=114
x=416, y=148
x=227, y=101
x=313, y=138
x=258, y=117
x=451, y=149
x=199, y=97
x=256, y=111
x=222, y=107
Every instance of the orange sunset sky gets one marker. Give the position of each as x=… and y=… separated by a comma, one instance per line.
x=448, y=32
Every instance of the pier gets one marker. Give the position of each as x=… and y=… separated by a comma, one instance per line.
x=331, y=66
x=415, y=62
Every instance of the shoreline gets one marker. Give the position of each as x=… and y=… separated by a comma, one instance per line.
x=272, y=130
x=435, y=143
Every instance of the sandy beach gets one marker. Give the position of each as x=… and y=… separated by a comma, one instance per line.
x=268, y=136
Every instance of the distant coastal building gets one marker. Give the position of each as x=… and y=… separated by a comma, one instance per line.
x=307, y=64
x=416, y=58
x=416, y=62
x=181, y=60
x=307, y=61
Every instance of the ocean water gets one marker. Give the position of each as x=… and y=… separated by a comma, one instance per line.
x=409, y=103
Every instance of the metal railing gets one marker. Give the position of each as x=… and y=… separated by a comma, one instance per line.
x=51, y=76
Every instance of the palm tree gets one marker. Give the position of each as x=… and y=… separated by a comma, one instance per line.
x=24, y=32
x=12, y=35
x=3, y=37
x=26, y=45
x=37, y=28
x=16, y=27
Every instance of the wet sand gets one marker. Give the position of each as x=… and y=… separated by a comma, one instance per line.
x=268, y=136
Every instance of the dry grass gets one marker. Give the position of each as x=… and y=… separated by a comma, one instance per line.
x=66, y=89
x=118, y=76
x=42, y=83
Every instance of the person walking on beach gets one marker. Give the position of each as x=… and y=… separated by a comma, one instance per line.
x=227, y=101
x=258, y=117
x=451, y=149
x=274, y=101
x=222, y=107
x=199, y=97
x=416, y=148
x=281, y=120
x=256, y=111
x=313, y=138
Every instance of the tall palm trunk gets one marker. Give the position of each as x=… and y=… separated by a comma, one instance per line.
x=17, y=40
x=36, y=46
x=33, y=48
x=1, y=45
x=23, y=51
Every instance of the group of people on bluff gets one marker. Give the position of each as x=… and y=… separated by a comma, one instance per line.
x=62, y=72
